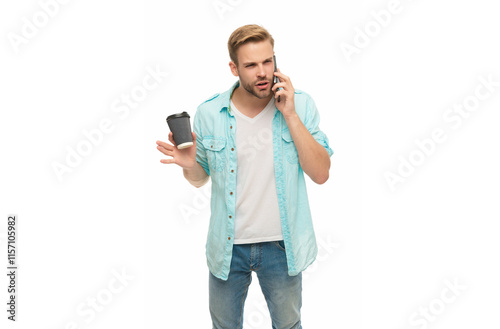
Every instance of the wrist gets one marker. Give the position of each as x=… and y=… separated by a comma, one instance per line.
x=190, y=166
x=291, y=117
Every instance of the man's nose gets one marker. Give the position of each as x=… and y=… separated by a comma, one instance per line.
x=261, y=72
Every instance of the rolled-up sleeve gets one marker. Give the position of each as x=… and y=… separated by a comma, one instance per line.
x=201, y=153
x=312, y=124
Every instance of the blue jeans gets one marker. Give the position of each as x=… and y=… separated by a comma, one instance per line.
x=283, y=293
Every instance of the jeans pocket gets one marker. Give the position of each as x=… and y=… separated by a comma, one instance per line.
x=280, y=244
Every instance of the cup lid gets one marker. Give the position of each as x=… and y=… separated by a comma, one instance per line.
x=178, y=115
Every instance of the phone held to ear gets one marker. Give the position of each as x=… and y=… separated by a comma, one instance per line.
x=276, y=79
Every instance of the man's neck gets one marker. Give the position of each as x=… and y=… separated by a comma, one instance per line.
x=247, y=103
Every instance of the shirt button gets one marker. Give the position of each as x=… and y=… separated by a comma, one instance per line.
x=229, y=238
x=232, y=170
x=231, y=127
x=231, y=193
x=230, y=216
x=232, y=148
x=211, y=146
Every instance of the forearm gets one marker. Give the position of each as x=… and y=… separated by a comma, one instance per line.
x=196, y=176
x=313, y=157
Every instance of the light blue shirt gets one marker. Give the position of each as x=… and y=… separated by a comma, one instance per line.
x=215, y=128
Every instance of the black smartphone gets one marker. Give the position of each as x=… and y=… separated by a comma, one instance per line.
x=276, y=79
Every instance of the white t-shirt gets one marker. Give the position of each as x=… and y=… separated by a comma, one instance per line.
x=257, y=217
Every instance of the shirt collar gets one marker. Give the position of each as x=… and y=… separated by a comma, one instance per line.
x=225, y=99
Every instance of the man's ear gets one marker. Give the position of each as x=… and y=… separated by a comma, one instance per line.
x=233, y=68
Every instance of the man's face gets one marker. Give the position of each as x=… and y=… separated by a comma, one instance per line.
x=255, y=68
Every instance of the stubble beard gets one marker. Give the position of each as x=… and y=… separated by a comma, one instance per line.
x=250, y=88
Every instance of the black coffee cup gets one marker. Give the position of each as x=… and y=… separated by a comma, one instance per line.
x=180, y=127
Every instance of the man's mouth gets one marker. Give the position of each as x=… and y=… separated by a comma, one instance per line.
x=262, y=84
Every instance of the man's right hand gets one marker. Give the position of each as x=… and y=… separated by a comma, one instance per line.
x=185, y=158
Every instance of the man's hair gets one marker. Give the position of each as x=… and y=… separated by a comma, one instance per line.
x=246, y=34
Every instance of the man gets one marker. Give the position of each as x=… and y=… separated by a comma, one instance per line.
x=256, y=141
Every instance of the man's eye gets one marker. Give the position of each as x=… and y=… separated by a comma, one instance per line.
x=249, y=65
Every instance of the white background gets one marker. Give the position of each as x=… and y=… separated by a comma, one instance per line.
x=385, y=255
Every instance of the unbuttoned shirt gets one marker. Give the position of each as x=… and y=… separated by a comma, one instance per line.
x=215, y=128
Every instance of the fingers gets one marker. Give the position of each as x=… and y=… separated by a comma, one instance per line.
x=284, y=88
x=279, y=93
x=166, y=146
x=171, y=138
x=165, y=151
x=281, y=85
x=284, y=83
x=166, y=161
